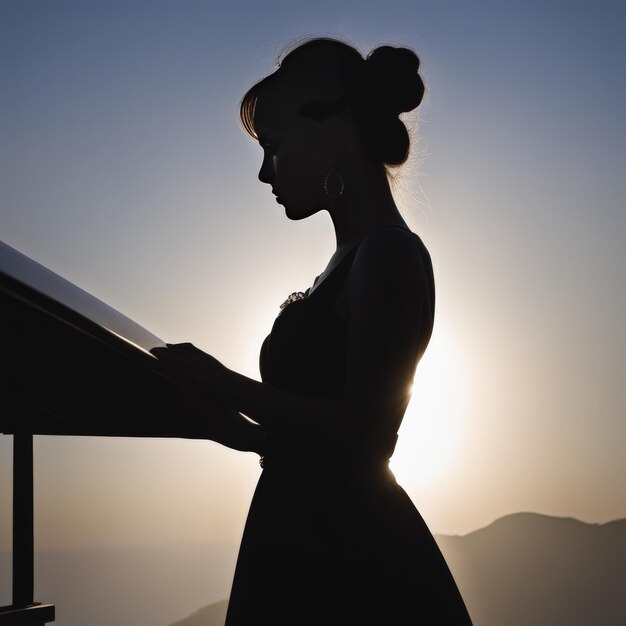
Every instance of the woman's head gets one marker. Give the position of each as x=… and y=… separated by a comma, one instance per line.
x=324, y=98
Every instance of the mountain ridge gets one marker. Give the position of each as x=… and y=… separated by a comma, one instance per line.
x=532, y=515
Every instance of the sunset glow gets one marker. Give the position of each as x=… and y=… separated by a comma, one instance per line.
x=125, y=170
x=433, y=423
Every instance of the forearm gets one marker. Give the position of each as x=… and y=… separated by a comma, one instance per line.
x=243, y=435
x=280, y=413
x=201, y=419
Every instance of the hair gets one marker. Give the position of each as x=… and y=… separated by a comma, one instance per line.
x=377, y=88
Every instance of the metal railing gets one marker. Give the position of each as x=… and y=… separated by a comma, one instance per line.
x=76, y=367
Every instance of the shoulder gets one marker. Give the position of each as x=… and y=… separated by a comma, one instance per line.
x=390, y=283
x=392, y=256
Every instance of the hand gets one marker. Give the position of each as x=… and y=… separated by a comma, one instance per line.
x=192, y=364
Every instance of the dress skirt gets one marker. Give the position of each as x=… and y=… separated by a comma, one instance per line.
x=330, y=543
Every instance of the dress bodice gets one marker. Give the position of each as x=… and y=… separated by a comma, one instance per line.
x=306, y=351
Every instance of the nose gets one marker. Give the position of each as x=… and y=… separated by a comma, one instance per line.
x=267, y=172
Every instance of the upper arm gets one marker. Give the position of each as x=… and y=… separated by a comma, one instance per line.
x=390, y=321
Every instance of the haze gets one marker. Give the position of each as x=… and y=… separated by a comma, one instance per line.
x=125, y=170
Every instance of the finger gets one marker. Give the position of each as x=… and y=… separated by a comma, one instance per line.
x=171, y=355
x=161, y=350
x=165, y=354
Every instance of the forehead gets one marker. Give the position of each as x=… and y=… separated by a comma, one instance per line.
x=268, y=116
x=275, y=110
x=279, y=100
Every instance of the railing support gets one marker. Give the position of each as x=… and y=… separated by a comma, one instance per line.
x=23, y=611
x=23, y=542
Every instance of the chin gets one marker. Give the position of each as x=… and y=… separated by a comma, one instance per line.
x=299, y=214
x=295, y=217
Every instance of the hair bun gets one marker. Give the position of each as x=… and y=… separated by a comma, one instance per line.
x=394, y=72
x=375, y=90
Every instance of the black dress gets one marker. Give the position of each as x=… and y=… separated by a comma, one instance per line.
x=333, y=539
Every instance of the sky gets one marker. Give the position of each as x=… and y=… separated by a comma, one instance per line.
x=124, y=168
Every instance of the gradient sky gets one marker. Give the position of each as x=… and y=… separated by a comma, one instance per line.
x=124, y=168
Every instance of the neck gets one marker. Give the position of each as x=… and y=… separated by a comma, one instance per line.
x=364, y=207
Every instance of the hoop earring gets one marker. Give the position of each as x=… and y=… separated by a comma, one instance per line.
x=333, y=188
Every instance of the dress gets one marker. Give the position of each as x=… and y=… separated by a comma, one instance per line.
x=333, y=541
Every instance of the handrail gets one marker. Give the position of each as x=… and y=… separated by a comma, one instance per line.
x=77, y=367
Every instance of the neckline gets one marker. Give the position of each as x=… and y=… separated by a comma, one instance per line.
x=311, y=291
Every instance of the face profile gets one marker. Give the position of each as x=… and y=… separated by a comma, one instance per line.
x=298, y=153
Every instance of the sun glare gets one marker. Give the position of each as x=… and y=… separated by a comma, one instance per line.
x=433, y=423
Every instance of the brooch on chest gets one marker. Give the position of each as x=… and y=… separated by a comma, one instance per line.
x=293, y=297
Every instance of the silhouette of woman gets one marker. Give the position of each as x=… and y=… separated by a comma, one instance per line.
x=331, y=538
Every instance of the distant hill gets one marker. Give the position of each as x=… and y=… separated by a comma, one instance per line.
x=533, y=570
x=527, y=569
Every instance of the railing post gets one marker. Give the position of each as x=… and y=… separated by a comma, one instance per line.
x=23, y=542
x=23, y=611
